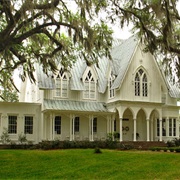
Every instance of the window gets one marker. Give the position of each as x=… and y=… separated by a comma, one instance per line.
x=90, y=86
x=28, y=125
x=76, y=124
x=111, y=91
x=144, y=85
x=158, y=127
x=62, y=84
x=164, y=127
x=57, y=125
x=95, y=125
x=115, y=127
x=141, y=84
x=172, y=127
x=12, y=124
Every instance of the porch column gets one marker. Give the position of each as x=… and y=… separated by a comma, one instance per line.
x=167, y=126
x=89, y=128
x=70, y=132
x=134, y=138
x=152, y=129
x=108, y=124
x=92, y=133
x=120, y=130
x=112, y=128
x=53, y=119
x=51, y=126
x=160, y=129
x=177, y=127
x=73, y=128
x=147, y=129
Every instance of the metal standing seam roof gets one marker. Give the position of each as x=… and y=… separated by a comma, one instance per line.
x=174, y=90
x=122, y=53
x=66, y=105
x=76, y=75
x=102, y=74
x=122, y=56
x=44, y=81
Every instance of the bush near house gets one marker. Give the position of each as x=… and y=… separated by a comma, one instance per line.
x=172, y=146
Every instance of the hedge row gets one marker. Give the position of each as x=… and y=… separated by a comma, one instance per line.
x=83, y=144
x=165, y=149
x=56, y=144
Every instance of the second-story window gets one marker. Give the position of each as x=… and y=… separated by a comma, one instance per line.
x=62, y=81
x=111, y=91
x=141, y=84
x=90, y=86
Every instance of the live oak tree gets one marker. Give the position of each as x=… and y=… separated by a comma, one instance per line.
x=157, y=22
x=49, y=32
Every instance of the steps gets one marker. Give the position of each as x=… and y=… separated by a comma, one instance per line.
x=144, y=145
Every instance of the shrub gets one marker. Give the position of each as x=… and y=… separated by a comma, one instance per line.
x=97, y=150
x=171, y=149
x=170, y=144
x=5, y=139
x=177, y=150
x=176, y=142
x=22, y=138
x=152, y=148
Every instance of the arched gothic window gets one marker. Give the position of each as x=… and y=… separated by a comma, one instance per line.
x=141, y=84
x=90, y=86
x=62, y=81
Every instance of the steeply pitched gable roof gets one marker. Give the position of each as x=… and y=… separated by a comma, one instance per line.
x=122, y=55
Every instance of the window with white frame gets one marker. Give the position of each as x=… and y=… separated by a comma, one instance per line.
x=141, y=83
x=12, y=124
x=111, y=91
x=115, y=126
x=90, y=86
x=76, y=124
x=28, y=125
x=172, y=127
x=95, y=125
x=62, y=81
x=158, y=127
x=57, y=125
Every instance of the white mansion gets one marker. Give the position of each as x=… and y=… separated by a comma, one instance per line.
x=128, y=95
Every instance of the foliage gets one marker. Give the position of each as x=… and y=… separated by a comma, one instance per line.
x=174, y=143
x=9, y=96
x=5, y=136
x=22, y=138
x=157, y=24
x=49, y=33
x=97, y=150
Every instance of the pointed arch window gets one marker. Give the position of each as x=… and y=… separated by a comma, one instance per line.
x=111, y=91
x=62, y=81
x=141, y=84
x=90, y=86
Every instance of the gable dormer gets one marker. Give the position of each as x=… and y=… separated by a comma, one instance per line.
x=90, y=83
x=62, y=83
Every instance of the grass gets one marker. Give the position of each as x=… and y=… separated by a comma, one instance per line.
x=85, y=164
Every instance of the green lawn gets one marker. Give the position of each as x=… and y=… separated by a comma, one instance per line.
x=84, y=164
